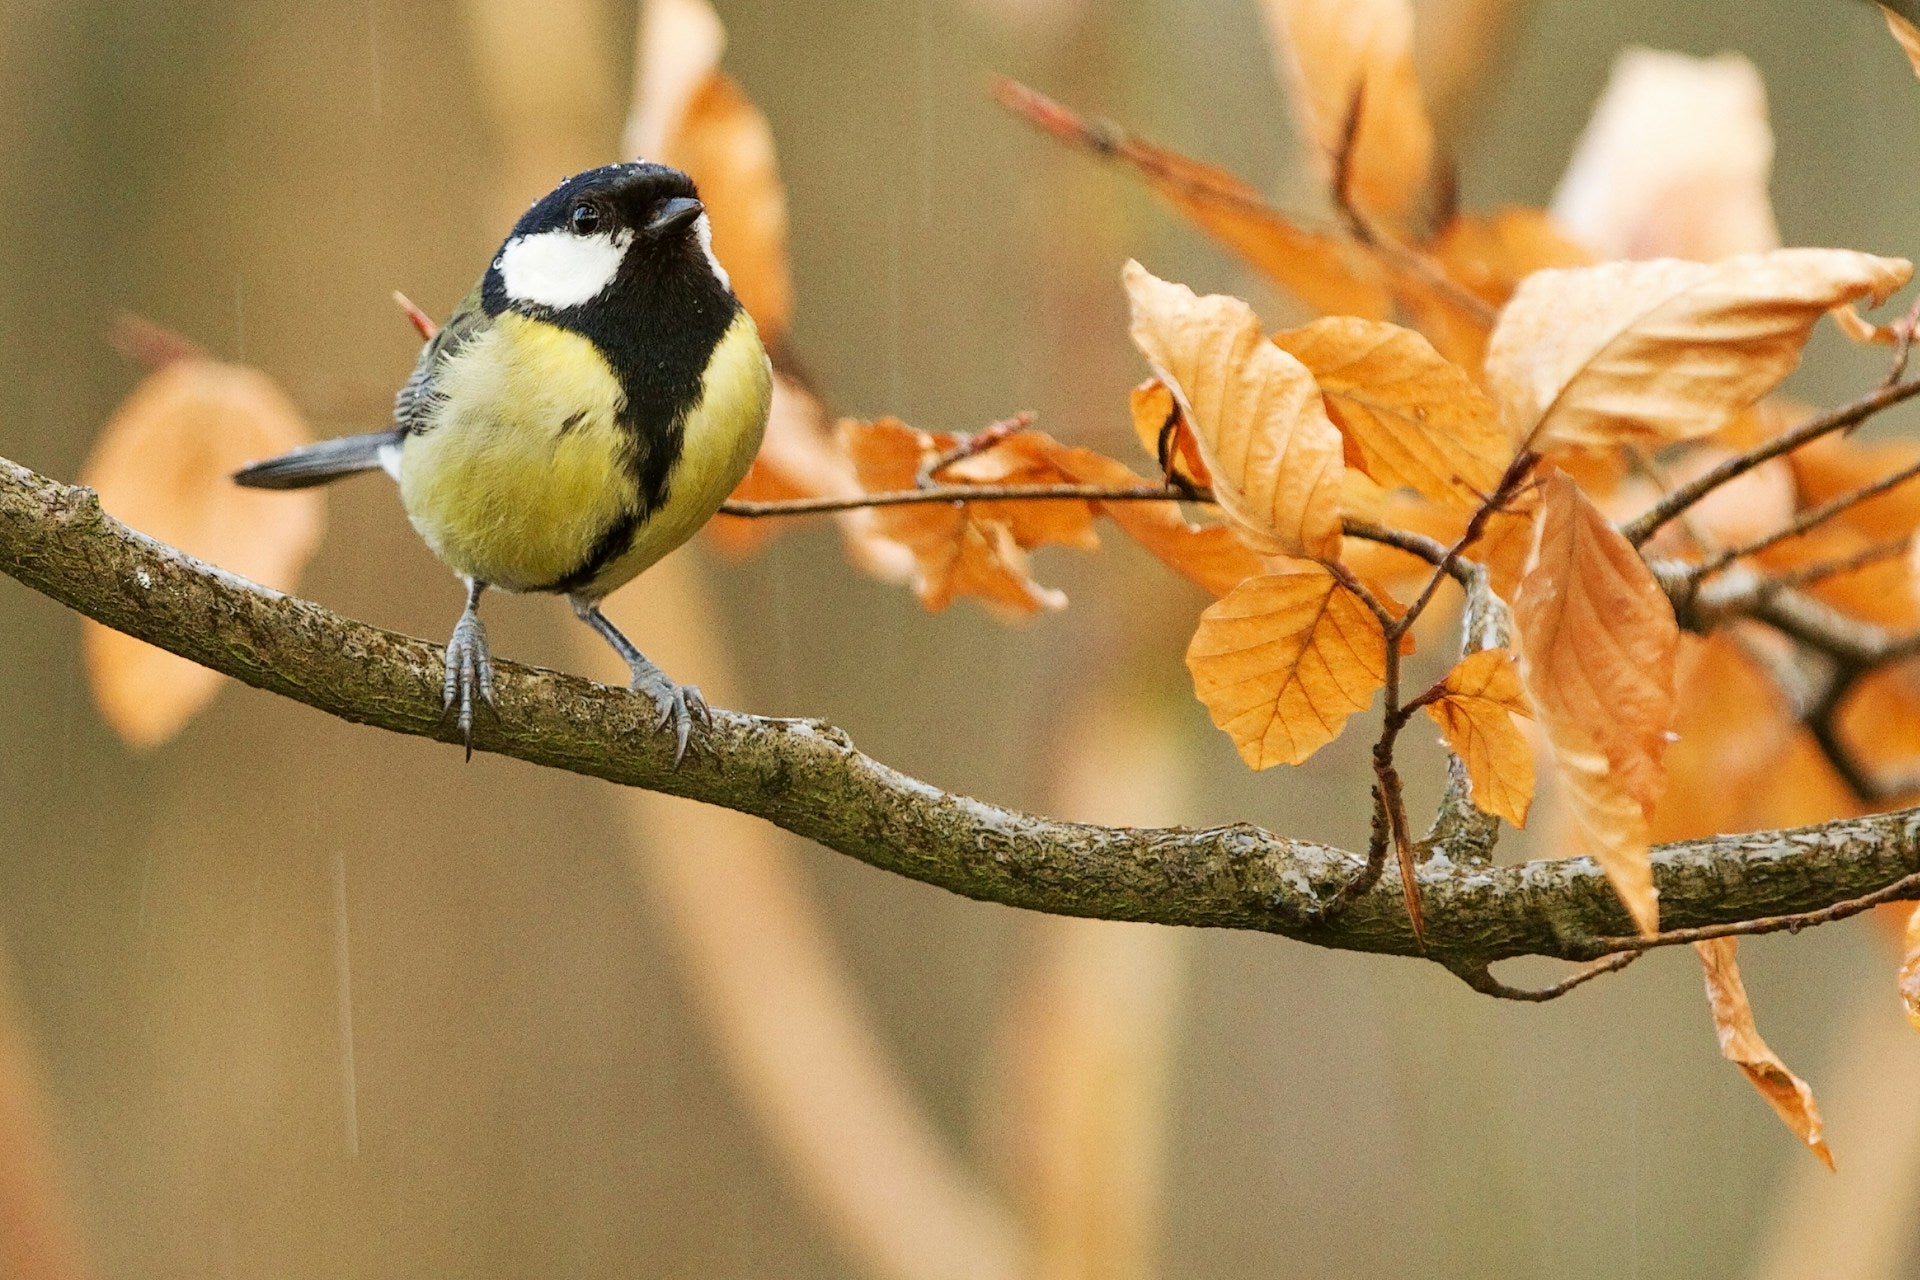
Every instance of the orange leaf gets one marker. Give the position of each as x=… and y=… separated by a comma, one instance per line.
x=1209, y=555
x=1674, y=162
x=164, y=465
x=1256, y=414
x=691, y=115
x=1327, y=273
x=958, y=549
x=1910, y=970
x=1284, y=659
x=1655, y=352
x=1597, y=640
x=1336, y=55
x=1740, y=1044
x=1409, y=416
x=1029, y=458
x=1475, y=715
x=1906, y=34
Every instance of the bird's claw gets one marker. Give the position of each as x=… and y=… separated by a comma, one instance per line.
x=469, y=670
x=676, y=704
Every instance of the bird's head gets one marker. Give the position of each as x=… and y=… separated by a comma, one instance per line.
x=599, y=232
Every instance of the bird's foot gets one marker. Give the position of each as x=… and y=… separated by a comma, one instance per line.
x=676, y=704
x=469, y=672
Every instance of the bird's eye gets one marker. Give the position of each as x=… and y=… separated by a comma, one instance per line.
x=583, y=219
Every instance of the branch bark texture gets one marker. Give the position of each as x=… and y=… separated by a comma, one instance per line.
x=807, y=777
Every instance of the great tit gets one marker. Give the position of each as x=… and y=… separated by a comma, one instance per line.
x=586, y=409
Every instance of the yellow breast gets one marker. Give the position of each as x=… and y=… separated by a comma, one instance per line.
x=521, y=468
x=524, y=465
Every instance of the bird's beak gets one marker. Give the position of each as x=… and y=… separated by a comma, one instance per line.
x=674, y=214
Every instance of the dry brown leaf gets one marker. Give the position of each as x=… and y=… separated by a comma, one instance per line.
x=1597, y=641
x=1906, y=34
x=1409, y=416
x=1284, y=659
x=1326, y=272
x=1475, y=715
x=1257, y=415
x=1674, y=162
x=1336, y=55
x=691, y=115
x=958, y=549
x=164, y=464
x=1209, y=554
x=1910, y=970
x=1740, y=1044
x=1655, y=352
x=1029, y=458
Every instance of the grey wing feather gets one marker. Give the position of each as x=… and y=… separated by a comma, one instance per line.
x=416, y=398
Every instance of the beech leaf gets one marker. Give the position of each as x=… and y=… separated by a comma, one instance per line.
x=1910, y=970
x=1256, y=413
x=1410, y=417
x=1475, y=714
x=1284, y=659
x=1339, y=55
x=1654, y=352
x=1674, y=162
x=1740, y=1044
x=164, y=464
x=959, y=549
x=1904, y=32
x=1597, y=640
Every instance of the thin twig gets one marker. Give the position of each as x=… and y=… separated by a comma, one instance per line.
x=954, y=493
x=1482, y=980
x=1645, y=525
x=1903, y=889
x=1810, y=519
x=969, y=445
x=1808, y=575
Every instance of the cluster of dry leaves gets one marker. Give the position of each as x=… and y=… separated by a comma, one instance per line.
x=1498, y=403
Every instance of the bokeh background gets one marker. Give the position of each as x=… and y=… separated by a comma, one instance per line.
x=305, y=999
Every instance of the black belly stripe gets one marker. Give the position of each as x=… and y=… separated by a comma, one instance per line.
x=607, y=548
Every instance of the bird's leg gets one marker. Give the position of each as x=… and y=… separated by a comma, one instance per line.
x=469, y=668
x=679, y=703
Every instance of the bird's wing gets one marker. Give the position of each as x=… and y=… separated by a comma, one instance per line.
x=415, y=399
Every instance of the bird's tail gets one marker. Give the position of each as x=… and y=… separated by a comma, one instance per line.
x=319, y=463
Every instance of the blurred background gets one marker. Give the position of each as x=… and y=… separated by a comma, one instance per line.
x=303, y=999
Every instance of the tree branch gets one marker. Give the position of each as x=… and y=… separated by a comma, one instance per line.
x=808, y=778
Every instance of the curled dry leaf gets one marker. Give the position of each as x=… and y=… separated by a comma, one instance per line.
x=1740, y=1044
x=1674, y=162
x=1475, y=713
x=1597, y=640
x=1328, y=273
x=690, y=114
x=1337, y=56
x=1257, y=415
x=164, y=464
x=1409, y=416
x=1284, y=659
x=1654, y=352
x=959, y=549
x=1155, y=415
x=1906, y=34
x=1910, y=970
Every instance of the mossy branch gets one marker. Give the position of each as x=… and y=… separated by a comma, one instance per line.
x=807, y=777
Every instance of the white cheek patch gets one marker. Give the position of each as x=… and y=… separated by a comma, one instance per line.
x=560, y=269
x=703, y=232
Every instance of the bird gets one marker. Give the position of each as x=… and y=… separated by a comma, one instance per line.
x=586, y=409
